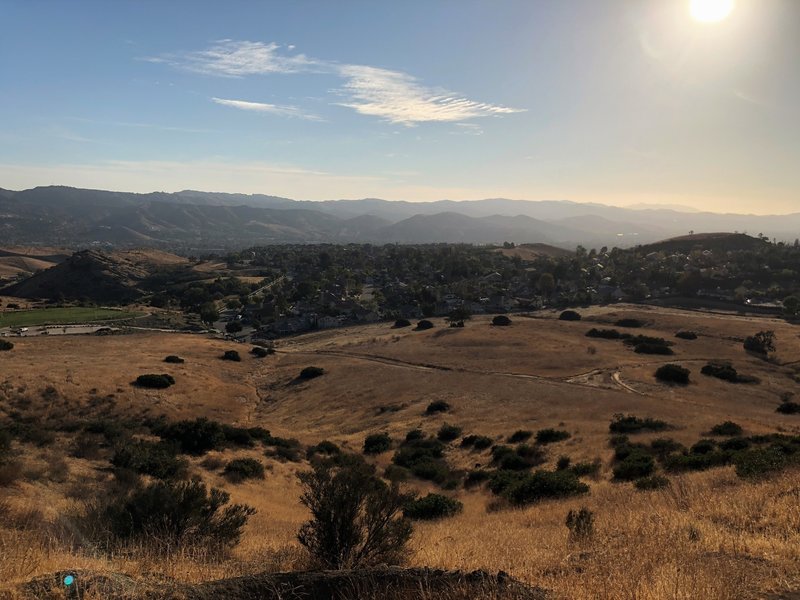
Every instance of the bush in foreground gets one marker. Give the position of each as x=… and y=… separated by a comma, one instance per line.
x=157, y=459
x=501, y=321
x=355, y=517
x=232, y=355
x=672, y=373
x=400, y=323
x=5, y=345
x=178, y=515
x=432, y=506
x=423, y=325
x=155, y=381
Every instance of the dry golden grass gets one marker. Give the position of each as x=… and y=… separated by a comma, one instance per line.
x=709, y=536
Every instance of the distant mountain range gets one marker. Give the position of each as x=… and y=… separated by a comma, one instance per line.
x=71, y=217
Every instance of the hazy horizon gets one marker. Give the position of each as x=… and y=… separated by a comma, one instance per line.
x=618, y=103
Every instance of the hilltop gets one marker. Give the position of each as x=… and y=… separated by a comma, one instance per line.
x=708, y=241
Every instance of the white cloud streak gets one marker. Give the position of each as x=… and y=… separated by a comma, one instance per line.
x=399, y=98
x=272, y=109
x=230, y=58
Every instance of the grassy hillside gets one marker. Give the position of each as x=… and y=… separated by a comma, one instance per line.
x=63, y=316
x=708, y=535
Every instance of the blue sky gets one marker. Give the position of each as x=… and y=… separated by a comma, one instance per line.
x=614, y=101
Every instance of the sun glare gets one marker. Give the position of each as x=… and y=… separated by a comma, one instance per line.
x=711, y=11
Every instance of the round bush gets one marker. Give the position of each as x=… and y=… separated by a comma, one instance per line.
x=415, y=434
x=244, y=468
x=569, y=315
x=521, y=435
x=232, y=355
x=174, y=359
x=437, y=406
x=424, y=324
x=672, y=373
x=400, y=323
x=501, y=321
x=5, y=345
x=686, y=335
x=311, y=373
x=448, y=433
x=377, y=443
x=259, y=352
x=432, y=506
x=728, y=428
x=789, y=408
x=630, y=323
x=155, y=381
x=549, y=436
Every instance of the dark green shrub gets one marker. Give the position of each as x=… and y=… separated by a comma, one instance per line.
x=703, y=447
x=686, y=335
x=415, y=434
x=569, y=315
x=432, y=506
x=521, y=435
x=355, y=517
x=605, y=334
x=377, y=443
x=154, y=381
x=5, y=345
x=542, y=485
x=423, y=325
x=501, y=321
x=697, y=461
x=174, y=359
x=788, y=408
x=157, y=459
x=325, y=447
x=193, y=437
x=630, y=323
x=761, y=343
x=580, y=524
x=635, y=465
x=584, y=469
x=233, y=327
x=563, y=462
x=178, y=514
x=231, y=355
x=437, y=406
x=636, y=340
x=757, y=463
x=662, y=447
x=394, y=473
x=500, y=481
x=476, y=477
x=244, y=468
x=424, y=459
x=726, y=372
x=400, y=323
x=672, y=373
x=476, y=442
x=259, y=352
x=550, y=436
x=448, y=433
x=658, y=349
x=633, y=424
x=727, y=428
x=311, y=373
x=734, y=444
x=654, y=482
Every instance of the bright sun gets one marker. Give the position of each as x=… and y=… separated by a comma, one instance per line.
x=711, y=11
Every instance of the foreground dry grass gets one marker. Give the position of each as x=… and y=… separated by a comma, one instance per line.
x=709, y=536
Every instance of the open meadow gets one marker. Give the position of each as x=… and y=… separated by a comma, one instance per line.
x=708, y=533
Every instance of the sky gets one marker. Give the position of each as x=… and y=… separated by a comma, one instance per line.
x=620, y=102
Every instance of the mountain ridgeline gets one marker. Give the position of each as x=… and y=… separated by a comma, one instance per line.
x=72, y=217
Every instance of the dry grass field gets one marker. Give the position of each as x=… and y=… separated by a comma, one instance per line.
x=710, y=535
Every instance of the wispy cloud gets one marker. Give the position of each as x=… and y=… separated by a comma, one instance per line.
x=397, y=97
x=391, y=96
x=273, y=109
x=231, y=58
